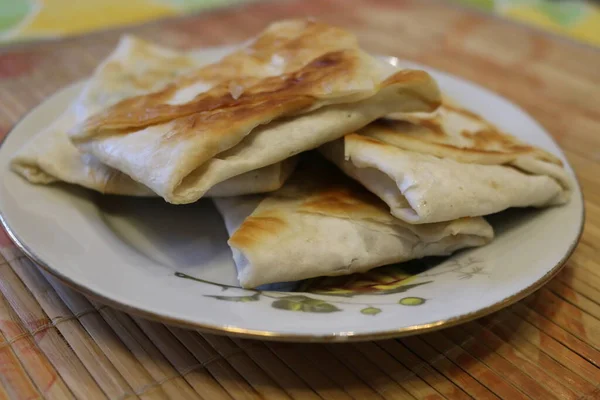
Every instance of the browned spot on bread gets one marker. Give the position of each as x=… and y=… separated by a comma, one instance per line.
x=432, y=126
x=407, y=75
x=334, y=201
x=417, y=77
x=431, y=136
x=293, y=42
x=484, y=139
x=341, y=197
x=308, y=54
x=293, y=92
x=491, y=136
x=255, y=228
x=359, y=138
x=304, y=80
x=242, y=116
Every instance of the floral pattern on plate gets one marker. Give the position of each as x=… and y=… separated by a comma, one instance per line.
x=387, y=280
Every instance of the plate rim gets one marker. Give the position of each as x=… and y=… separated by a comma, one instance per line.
x=291, y=337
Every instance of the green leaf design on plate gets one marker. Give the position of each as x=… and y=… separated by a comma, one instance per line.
x=12, y=12
x=412, y=301
x=304, y=304
x=403, y=289
x=240, y=299
x=370, y=311
x=221, y=285
x=390, y=279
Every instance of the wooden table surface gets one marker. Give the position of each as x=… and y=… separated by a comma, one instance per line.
x=55, y=343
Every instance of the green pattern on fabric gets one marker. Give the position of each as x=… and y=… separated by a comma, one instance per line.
x=12, y=12
x=564, y=13
x=487, y=5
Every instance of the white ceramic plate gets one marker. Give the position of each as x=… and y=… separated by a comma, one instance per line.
x=140, y=255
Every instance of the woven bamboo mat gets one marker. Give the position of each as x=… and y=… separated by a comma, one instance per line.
x=57, y=344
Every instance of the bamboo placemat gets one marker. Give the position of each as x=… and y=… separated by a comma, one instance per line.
x=57, y=344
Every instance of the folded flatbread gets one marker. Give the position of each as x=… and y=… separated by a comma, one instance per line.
x=320, y=223
x=449, y=165
x=298, y=85
x=134, y=68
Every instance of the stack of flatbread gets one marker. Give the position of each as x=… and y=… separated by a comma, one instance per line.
x=407, y=176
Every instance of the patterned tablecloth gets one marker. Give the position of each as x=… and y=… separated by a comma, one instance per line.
x=57, y=344
x=31, y=19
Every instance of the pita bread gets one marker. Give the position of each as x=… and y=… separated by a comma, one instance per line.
x=296, y=86
x=135, y=67
x=449, y=165
x=321, y=223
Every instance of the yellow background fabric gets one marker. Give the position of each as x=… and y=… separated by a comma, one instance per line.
x=578, y=19
x=33, y=19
